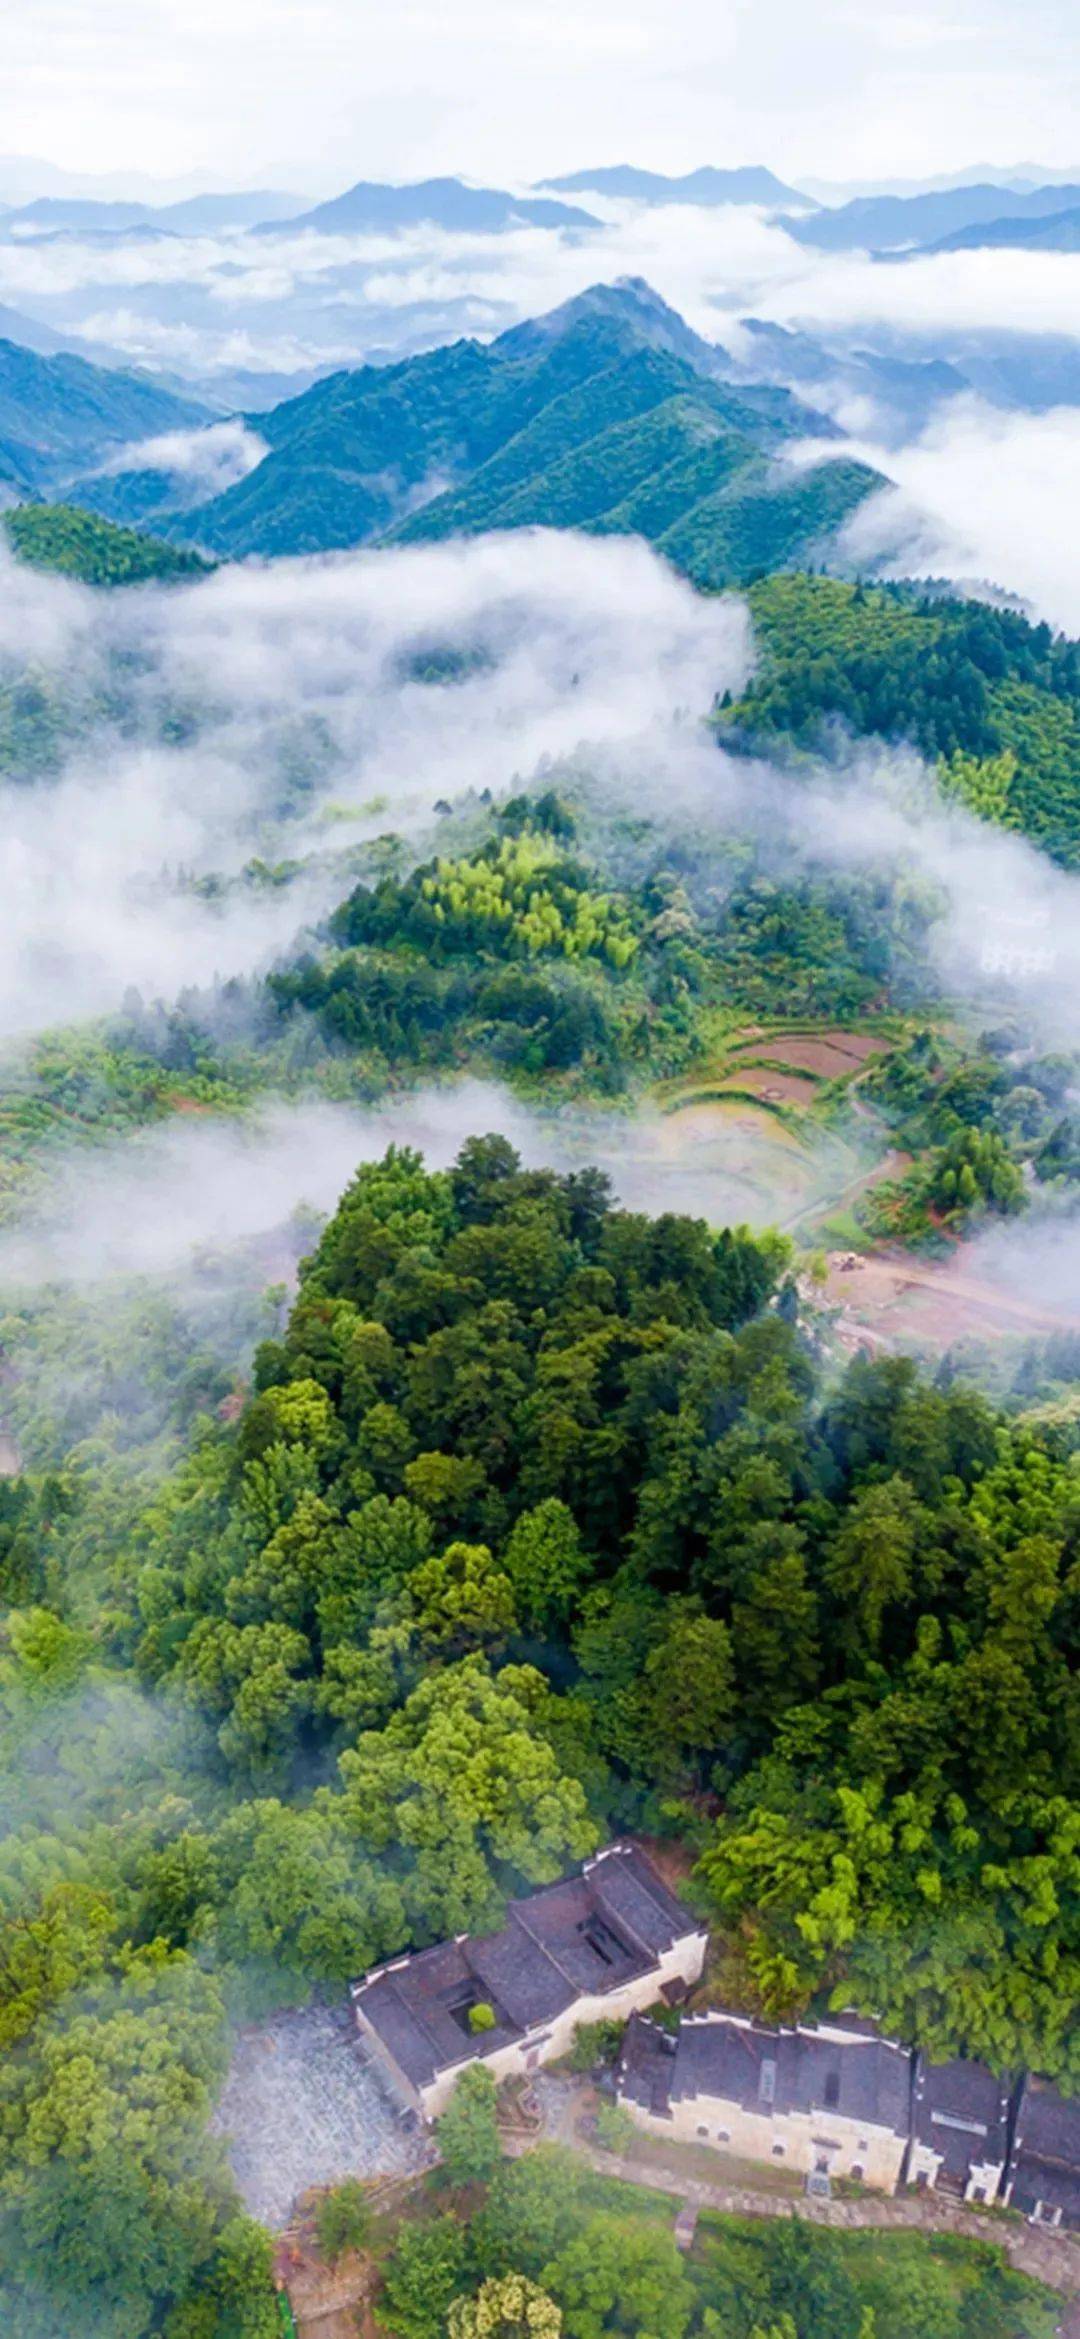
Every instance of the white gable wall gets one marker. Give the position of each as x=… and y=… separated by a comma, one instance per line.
x=983, y=2179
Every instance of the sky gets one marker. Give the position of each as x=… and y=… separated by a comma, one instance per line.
x=314, y=93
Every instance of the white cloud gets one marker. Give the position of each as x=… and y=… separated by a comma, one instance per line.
x=212, y=459
x=982, y=497
x=990, y=291
x=282, y=302
x=200, y=354
x=586, y=644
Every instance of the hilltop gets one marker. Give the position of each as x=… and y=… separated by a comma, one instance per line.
x=79, y=544
x=991, y=699
x=446, y=203
x=1059, y=233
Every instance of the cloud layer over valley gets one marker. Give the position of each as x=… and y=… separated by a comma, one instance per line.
x=576, y=651
x=276, y=711
x=287, y=300
x=981, y=497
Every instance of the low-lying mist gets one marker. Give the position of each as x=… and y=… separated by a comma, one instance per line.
x=283, y=712
x=289, y=300
x=142, y=1272
x=151, y=1204
x=982, y=498
x=292, y=710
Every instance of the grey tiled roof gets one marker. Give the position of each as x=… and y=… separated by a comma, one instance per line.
x=519, y=1974
x=630, y=1893
x=1045, y=2162
x=581, y=1937
x=960, y=2110
x=816, y=2071
x=647, y=2066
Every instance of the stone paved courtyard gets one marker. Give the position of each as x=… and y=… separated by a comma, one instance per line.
x=302, y=2107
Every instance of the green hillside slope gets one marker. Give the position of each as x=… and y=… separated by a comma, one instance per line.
x=58, y=415
x=608, y=415
x=79, y=544
x=989, y=697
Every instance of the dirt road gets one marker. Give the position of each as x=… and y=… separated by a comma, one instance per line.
x=935, y=1301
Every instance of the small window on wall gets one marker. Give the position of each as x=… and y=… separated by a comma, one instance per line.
x=857, y=2170
x=778, y=2151
x=703, y=2131
x=723, y=2135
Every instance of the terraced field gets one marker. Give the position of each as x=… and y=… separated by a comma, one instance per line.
x=778, y=1106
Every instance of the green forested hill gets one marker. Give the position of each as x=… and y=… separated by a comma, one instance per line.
x=59, y=414
x=539, y=1521
x=606, y=416
x=79, y=544
x=989, y=697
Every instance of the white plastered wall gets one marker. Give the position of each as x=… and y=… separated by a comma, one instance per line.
x=806, y=2139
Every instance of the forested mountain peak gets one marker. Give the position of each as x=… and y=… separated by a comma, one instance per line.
x=73, y=543
x=608, y=414
x=631, y=305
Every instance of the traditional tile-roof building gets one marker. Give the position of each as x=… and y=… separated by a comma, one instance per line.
x=959, y=2129
x=1044, y=2165
x=828, y=2099
x=599, y=1944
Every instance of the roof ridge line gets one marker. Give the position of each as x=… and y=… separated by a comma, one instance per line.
x=516, y=1912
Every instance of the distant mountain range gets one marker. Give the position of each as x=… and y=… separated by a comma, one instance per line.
x=446, y=203
x=60, y=415
x=1021, y=177
x=609, y=415
x=877, y=222
x=199, y=214
x=750, y=184
x=1025, y=372
x=904, y=392
x=883, y=223
x=1059, y=233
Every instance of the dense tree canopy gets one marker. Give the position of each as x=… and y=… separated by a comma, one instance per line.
x=988, y=697
x=553, y=2246
x=539, y=1519
x=95, y=551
